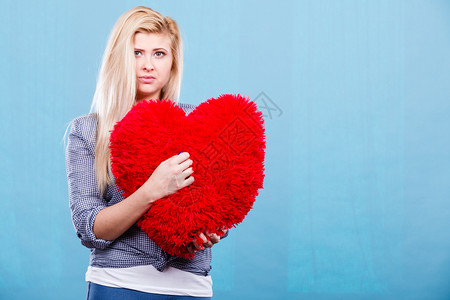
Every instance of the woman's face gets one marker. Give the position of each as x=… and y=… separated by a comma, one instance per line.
x=153, y=64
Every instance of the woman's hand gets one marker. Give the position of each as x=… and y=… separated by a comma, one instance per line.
x=208, y=239
x=171, y=175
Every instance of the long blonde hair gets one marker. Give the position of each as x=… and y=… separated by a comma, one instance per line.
x=115, y=93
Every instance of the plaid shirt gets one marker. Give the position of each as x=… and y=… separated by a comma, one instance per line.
x=134, y=247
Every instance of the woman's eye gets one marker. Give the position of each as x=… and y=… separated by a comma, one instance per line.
x=159, y=54
x=137, y=52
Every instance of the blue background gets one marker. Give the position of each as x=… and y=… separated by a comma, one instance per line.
x=355, y=94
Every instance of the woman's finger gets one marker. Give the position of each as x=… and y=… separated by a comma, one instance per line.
x=191, y=248
x=196, y=245
x=184, y=165
x=214, y=238
x=180, y=158
x=206, y=241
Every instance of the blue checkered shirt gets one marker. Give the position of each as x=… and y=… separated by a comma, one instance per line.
x=134, y=247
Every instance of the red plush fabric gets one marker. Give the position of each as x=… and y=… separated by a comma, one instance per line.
x=225, y=138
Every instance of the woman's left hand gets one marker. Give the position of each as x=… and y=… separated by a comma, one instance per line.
x=193, y=247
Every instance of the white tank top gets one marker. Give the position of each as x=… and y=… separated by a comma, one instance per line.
x=171, y=281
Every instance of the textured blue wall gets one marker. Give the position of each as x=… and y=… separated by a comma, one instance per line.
x=355, y=94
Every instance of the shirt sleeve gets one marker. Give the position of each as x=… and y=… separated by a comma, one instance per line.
x=84, y=197
x=226, y=234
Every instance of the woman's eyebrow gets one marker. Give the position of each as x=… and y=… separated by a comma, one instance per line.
x=160, y=49
x=138, y=49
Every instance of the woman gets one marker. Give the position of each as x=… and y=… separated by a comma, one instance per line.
x=142, y=60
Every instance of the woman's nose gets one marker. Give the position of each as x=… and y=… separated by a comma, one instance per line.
x=148, y=65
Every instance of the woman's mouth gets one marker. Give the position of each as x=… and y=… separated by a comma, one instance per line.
x=147, y=79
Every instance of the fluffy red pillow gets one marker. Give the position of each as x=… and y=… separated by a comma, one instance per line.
x=225, y=138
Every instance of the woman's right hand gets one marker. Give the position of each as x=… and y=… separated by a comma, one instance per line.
x=171, y=175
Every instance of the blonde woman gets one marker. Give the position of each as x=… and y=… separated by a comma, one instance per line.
x=143, y=60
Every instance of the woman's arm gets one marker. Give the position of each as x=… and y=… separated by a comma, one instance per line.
x=96, y=223
x=112, y=221
x=170, y=176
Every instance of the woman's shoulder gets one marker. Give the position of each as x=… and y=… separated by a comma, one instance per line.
x=85, y=126
x=87, y=119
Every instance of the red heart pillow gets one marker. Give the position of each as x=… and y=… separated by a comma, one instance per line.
x=225, y=138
